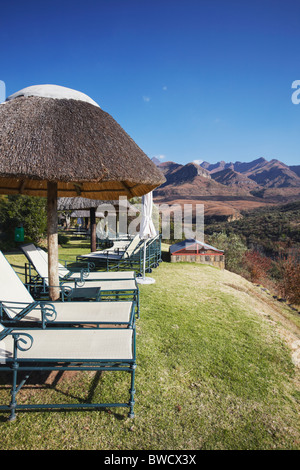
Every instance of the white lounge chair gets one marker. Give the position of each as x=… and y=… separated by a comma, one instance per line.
x=116, y=261
x=117, y=247
x=34, y=254
x=112, y=255
x=115, y=286
x=17, y=305
x=66, y=349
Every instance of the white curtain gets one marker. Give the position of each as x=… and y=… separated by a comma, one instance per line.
x=147, y=229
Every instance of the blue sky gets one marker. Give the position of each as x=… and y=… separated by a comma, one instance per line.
x=188, y=80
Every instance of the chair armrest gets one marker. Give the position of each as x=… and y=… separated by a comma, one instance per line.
x=48, y=312
x=24, y=308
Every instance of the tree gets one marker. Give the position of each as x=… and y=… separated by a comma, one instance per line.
x=257, y=265
x=23, y=210
x=290, y=279
x=234, y=249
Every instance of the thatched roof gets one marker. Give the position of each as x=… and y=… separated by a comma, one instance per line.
x=82, y=203
x=73, y=143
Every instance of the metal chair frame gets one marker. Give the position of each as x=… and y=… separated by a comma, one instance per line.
x=23, y=340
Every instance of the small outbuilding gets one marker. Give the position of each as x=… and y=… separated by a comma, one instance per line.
x=194, y=251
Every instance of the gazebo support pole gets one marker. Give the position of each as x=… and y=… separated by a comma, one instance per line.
x=93, y=229
x=52, y=241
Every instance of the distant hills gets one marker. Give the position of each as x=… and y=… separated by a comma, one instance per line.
x=271, y=174
x=257, y=183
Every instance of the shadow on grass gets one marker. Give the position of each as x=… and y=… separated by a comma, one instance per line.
x=49, y=380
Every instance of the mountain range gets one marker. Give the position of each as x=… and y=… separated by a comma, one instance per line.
x=227, y=188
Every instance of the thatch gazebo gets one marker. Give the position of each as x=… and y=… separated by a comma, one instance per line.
x=90, y=208
x=58, y=142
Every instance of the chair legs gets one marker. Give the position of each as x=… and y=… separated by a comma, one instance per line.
x=14, y=391
x=13, y=406
x=132, y=392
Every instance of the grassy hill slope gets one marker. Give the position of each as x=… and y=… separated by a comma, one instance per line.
x=216, y=370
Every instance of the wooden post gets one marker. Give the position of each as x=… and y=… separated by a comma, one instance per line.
x=54, y=290
x=93, y=229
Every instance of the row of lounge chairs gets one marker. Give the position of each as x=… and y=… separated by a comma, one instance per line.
x=77, y=282
x=92, y=327
x=74, y=275
x=126, y=255
x=39, y=335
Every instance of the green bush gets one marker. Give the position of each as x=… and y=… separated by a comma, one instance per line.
x=234, y=249
x=26, y=210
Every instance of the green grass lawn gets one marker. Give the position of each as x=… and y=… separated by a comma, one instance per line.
x=215, y=371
